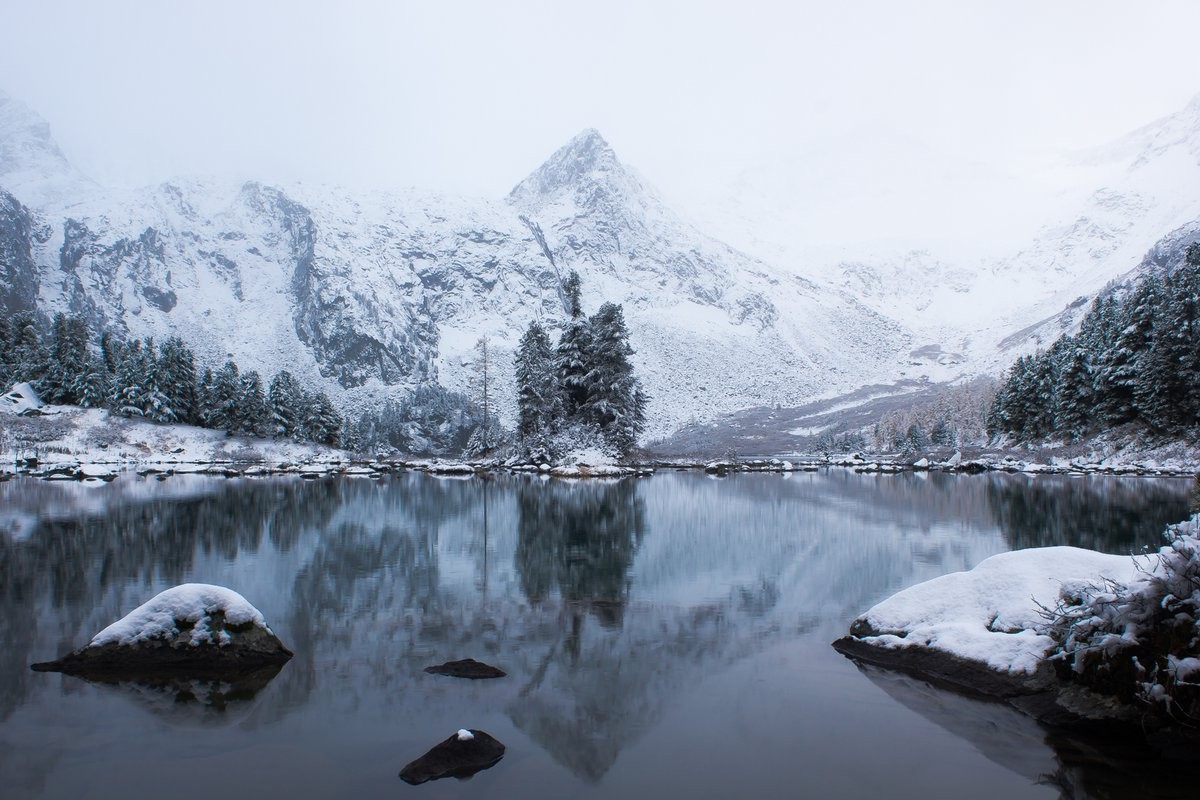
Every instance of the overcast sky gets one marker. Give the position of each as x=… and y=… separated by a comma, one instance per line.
x=470, y=96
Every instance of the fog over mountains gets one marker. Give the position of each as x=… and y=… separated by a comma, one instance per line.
x=369, y=294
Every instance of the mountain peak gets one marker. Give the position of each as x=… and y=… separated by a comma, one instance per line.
x=31, y=165
x=579, y=167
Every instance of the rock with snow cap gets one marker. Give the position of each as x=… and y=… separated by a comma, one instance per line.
x=193, y=629
x=465, y=753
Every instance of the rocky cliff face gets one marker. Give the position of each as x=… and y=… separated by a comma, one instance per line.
x=368, y=295
x=18, y=276
x=373, y=294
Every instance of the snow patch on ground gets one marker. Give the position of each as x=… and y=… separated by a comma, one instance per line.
x=992, y=613
x=90, y=437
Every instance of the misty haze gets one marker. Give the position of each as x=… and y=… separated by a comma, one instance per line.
x=687, y=399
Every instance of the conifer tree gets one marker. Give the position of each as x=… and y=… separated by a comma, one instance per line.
x=615, y=403
x=573, y=356
x=538, y=401
x=177, y=379
x=285, y=401
x=224, y=399
x=251, y=406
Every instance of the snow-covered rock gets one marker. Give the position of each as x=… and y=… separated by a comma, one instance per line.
x=194, y=627
x=992, y=614
x=21, y=399
x=465, y=753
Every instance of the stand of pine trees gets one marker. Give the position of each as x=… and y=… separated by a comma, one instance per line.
x=158, y=382
x=582, y=390
x=1136, y=359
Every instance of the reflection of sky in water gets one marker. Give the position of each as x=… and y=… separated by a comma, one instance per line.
x=622, y=610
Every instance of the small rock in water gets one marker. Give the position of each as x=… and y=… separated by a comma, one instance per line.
x=467, y=668
x=456, y=757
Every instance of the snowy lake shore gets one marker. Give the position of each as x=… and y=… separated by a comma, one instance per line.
x=72, y=443
x=990, y=633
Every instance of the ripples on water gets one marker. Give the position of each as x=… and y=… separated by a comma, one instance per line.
x=663, y=636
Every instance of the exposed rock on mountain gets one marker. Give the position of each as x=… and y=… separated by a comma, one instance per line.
x=368, y=295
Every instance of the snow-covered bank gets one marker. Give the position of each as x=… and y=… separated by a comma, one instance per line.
x=992, y=614
x=70, y=434
x=1075, y=638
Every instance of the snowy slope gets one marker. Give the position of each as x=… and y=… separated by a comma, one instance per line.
x=370, y=294
x=969, y=257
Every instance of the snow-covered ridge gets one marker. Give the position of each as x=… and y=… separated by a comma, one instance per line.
x=367, y=295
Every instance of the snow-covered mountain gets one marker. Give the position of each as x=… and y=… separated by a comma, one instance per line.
x=373, y=293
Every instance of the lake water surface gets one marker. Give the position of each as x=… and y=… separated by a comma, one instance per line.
x=664, y=637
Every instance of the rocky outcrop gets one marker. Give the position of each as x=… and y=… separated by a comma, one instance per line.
x=467, y=668
x=18, y=275
x=461, y=756
x=194, y=629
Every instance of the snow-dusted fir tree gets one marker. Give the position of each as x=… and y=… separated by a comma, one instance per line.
x=252, y=405
x=321, y=421
x=66, y=361
x=177, y=379
x=205, y=404
x=128, y=391
x=26, y=357
x=615, y=403
x=573, y=356
x=285, y=402
x=223, y=397
x=538, y=402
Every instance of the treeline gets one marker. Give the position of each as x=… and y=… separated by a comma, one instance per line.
x=158, y=382
x=580, y=391
x=956, y=416
x=431, y=420
x=1136, y=358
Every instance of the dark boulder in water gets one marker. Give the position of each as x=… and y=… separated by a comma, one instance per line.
x=461, y=756
x=194, y=629
x=467, y=668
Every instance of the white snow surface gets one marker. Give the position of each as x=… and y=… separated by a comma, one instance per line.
x=191, y=602
x=990, y=614
x=20, y=398
x=465, y=735
x=259, y=273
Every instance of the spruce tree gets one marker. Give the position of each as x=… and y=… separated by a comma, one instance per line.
x=285, y=403
x=224, y=398
x=177, y=379
x=573, y=356
x=537, y=391
x=129, y=395
x=615, y=403
x=252, y=405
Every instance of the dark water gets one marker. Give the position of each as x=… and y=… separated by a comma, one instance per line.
x=665, y=637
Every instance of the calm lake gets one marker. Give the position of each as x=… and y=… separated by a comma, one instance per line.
x=664, y=637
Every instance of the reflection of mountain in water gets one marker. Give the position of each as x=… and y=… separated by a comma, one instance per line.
x=604, y=601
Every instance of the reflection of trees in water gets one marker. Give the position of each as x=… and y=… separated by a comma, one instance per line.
x=72, y=565
x=1112, y=515
x=579, y=538
x=602, y=679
